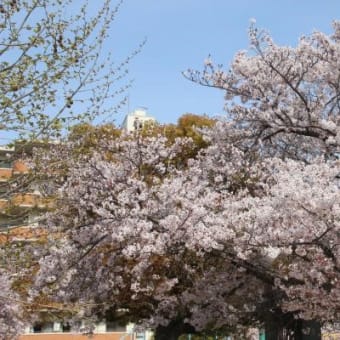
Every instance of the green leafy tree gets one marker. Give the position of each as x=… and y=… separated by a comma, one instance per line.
x=52, y=69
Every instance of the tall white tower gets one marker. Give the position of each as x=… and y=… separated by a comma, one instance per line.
x=136, y=120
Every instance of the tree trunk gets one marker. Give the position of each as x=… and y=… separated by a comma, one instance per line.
x=296, y=330
x=173, y=330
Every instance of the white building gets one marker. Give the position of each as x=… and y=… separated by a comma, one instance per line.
x=136, y=120
x=103, y=331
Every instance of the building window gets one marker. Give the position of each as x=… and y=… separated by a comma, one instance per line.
x=43, y=327
x=114, y=326
x=37, y=328
x=66, y=328
x=6, y=163
x=137, y=124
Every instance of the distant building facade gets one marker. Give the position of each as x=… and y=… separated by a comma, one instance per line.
x=136, y=120
x=103, y=331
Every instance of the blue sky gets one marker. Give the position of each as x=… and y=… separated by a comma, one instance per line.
x=182, y=33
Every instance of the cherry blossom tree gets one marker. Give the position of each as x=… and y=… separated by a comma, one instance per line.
x=131, y=198
x=141, y=219
x=297, y=231
x=245, y=233
x=12, y=320
x=285, y=99
x=53, y=74
x=283, y=102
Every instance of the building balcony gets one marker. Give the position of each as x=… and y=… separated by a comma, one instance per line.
x=31, y=200
x=19, y=168
x=25, y=200
x=3, y=204
x=5, y=174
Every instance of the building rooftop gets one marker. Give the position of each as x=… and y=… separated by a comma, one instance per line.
x=136, y=119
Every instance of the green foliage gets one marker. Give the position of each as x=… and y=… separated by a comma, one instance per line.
x=52, y=74
x=91, y=136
